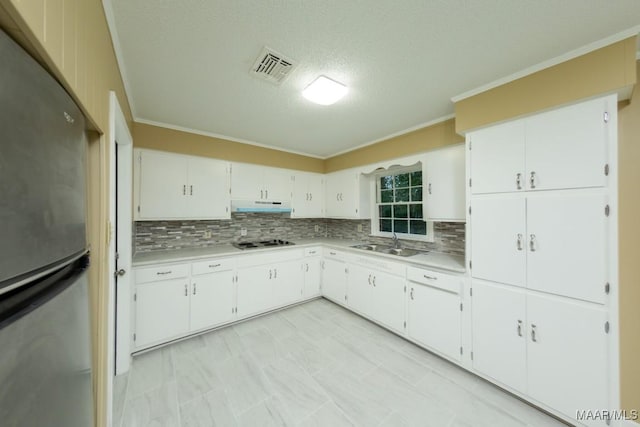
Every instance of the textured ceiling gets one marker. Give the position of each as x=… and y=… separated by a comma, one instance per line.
x=186, y=62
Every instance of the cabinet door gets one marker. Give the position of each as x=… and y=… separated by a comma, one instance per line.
x=246, y=182
x=163, y=185
x=316, y=195
x=567, y=361
x=277, y=184
x=498, y=241
x=567, y=244
x=162, y=311
x=567, y=148
x=360, y=290
x=312, y=277
x=499, y=334
x=444, y=184
x=434, y=319
x=212, y=299
x=389, y=300
x=255, y=290
x=288, y=280
x=332, y=195
x=300, y=196
x=334, y=281
x=208, y=189
x=497, y=157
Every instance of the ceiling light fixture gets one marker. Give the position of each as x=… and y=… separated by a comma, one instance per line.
x=324, y=91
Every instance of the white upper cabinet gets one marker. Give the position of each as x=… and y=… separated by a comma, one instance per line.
x=567, y=244
x=497, y=158
x=498, y=238
x=347, y=195
x=444, y=184
x=260, y=183
x=560, y=149
x=308, y=195
x=567, y=148
x=173, y=186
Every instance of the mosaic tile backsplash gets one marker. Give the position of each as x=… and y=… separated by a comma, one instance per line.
x=172, y=235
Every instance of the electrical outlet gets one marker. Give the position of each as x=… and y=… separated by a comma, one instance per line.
x=359, y=228
x=317, y=228
x=207, y=234
x=243, y=231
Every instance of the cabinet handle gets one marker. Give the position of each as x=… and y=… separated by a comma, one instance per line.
x=162, y=273
x=532, y=243
x=429, y=277
x=186, y=290
x=191, y=190
x=184, y=190
x=306, y=196
x=341, y=199
x=369, y=279
x=519, y=328
x=194, y=288
x=534, y=337
x=532, y=180
x=429, y=188
x=332, y=253
x=411, y=294
x=266, y=194
x=270, y=274
x=310, y=196
x=519, y=242
x=519, y=181
x=214, y=265
x=261, y=194
x=374, y=280
x=338, y=196
x=307, y=270
x=275, y=273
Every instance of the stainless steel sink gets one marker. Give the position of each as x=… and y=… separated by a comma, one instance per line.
x=386, y=249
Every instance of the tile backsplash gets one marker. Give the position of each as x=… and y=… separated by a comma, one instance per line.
x=171, y=235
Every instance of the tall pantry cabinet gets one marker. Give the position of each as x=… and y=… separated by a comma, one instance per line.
x=542, y=195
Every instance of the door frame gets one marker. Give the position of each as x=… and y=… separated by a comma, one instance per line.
x=120, y=207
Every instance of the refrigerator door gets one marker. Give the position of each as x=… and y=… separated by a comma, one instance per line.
x=45, y=361
x=42, y=172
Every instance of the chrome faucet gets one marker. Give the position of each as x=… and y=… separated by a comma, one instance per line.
x=396, y=242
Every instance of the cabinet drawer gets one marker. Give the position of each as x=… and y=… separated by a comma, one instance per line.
x=162, y=272
x=212, y=266
x=337, y=255
x=447, y=282
x=270, y=257
x=313, y=251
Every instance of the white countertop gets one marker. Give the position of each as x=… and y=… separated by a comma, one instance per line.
x=431, y=259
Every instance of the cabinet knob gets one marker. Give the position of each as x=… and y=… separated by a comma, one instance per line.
x=121, y=272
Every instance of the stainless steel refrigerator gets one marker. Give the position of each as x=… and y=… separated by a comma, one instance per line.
x=45, y=357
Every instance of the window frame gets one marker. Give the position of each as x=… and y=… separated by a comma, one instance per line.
x=376, y=196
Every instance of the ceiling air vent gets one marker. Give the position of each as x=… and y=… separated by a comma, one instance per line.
x=272, y=66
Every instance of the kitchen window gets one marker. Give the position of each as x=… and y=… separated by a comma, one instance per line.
x=399, y=205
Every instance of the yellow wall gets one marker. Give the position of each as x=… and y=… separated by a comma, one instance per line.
x=604, y=70
x=164, y=139
x=629, y=236
x=428, y=138
x=72, y=40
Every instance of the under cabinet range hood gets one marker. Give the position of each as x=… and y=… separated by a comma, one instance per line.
x=260, y=206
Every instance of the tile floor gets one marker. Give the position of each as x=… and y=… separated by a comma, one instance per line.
x=314, y=364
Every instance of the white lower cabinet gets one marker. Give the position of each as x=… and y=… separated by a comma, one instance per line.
x=334, y=280
x=255, y=290
x=162, y=311
x=549, y=348
x=378, y=295
x=312, y=266
x=288, y=282
x=434, y=316
x=212, y=300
